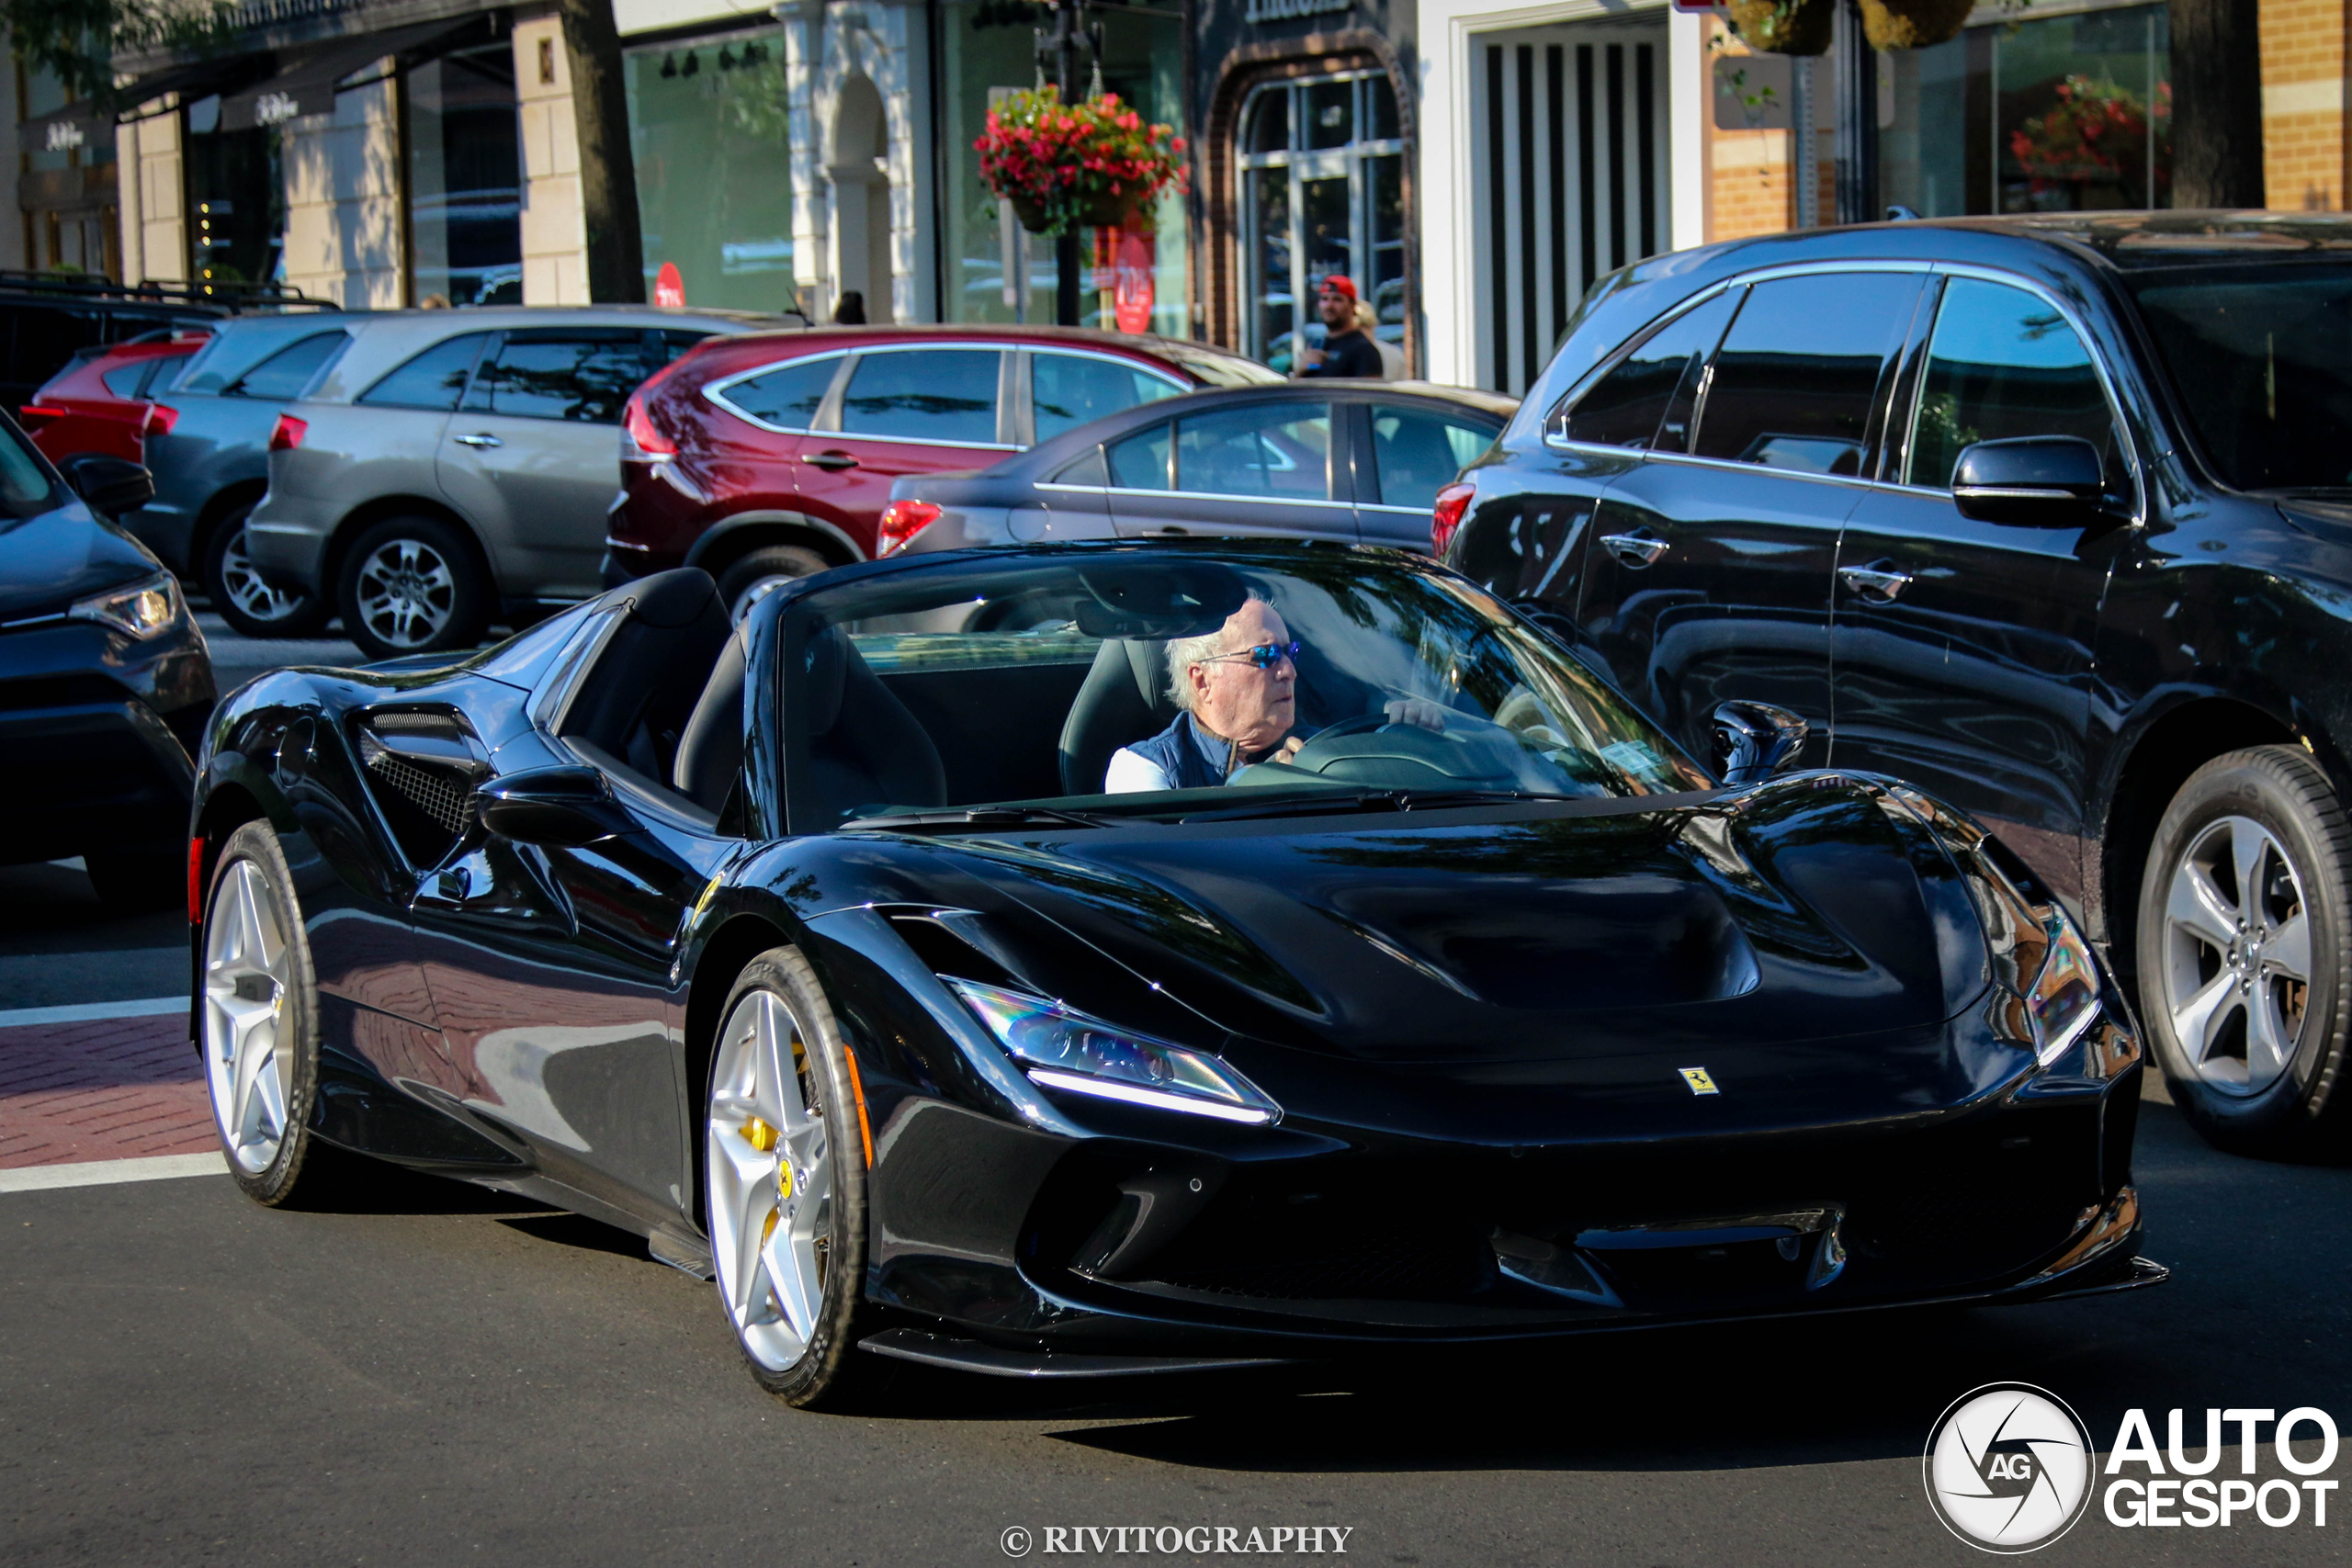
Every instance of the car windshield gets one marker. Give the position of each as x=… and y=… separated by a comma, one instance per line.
x=25, y=487
x=2261, y=353
x=1074, y=684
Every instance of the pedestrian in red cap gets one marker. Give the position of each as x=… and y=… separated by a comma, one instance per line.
x=1345, y=351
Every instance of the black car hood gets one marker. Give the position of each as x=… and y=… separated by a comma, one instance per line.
x=51, y=559
x=1801, y=911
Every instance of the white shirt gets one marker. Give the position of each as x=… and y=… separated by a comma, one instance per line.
x=1130, y=771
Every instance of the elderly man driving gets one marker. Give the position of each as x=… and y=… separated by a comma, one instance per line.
x=1239, y=689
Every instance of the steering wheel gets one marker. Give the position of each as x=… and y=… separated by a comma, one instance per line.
x=1376, y=749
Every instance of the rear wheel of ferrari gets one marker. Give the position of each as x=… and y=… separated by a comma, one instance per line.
x=259, y=1023
x=2245, y=952
x=785, y=1183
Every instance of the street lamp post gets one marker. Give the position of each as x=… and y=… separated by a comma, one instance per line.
x=1071, y=32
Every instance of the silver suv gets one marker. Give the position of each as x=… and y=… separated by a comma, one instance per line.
x=453, y=467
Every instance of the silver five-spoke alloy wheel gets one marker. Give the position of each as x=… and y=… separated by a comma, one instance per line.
x=2236, y=956
x=248, y=1048
x=260, y=599
x=407, y=593
x=771, y=1182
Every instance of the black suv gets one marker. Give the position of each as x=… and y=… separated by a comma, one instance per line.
x=46, y=318
x=2052, y=516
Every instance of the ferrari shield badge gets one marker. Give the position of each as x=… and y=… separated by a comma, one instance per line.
x=1699, y=1081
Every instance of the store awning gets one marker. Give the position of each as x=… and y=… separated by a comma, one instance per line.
x=83, y=124
x=304, y=81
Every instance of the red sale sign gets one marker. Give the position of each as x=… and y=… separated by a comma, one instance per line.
x=1132, y=258
x=669, y=288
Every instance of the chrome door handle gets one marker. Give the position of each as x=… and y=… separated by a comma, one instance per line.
x=1638, y=548
x=1876, y=583
x=484, y=438
x=830, y=461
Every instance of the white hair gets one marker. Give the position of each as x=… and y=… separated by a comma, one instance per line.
x=1187, y=651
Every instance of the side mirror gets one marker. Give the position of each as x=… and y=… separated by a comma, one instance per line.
x=551, y=805
x=1755, y=741
x=109, y=486
x=2035, y=481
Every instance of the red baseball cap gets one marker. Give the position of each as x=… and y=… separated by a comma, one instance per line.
x=1339, y=283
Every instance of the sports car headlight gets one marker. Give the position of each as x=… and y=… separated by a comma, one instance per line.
x=140, y=610
x=1065, y=1050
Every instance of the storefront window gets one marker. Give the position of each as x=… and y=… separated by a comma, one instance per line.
x=1322, y=191
x=709, y=129
x=236, y=200
x=465, y=179
x=66, y=189
x=996, y=272
x=2059, y=115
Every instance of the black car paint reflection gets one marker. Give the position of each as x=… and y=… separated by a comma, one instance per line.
x=1474, y=1017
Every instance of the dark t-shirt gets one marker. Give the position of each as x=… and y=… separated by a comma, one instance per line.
x=1348, y=354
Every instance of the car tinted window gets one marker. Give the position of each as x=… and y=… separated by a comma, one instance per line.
x=284, y=374
x=926, y=394
x=46, y=336
x=1089, y=470
x=1416, y=452
x=123, y=382
x=24, y=488
x=1140, y=462
x=2003, y=363
x=1066, y=390
x=676, y=342
x=434, y=379
x=1278, y=449
x=1793, y=385
x=787, y=395
x=582, y=379
x=1626, y=407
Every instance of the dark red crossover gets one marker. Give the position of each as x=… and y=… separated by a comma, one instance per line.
x=102, y=404
x=767, y=458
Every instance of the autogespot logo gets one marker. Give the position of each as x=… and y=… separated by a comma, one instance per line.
x=2009, y=1468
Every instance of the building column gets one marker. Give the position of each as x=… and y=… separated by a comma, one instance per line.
x=345, y=226
x=157, y=212
x=2304, y=102
x=1689, y=100
x=555, y=230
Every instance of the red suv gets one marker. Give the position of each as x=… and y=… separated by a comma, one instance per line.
x=767, y=458
x=100, y=402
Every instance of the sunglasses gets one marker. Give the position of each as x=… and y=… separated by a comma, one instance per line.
x=1262, y=657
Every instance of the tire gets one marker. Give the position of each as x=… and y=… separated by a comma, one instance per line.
x=802, y=1351
x=137, y=881
x=2252, y=1050
x=252, y=606
x=755, y=576
x=411, y=585
x=258, y=1031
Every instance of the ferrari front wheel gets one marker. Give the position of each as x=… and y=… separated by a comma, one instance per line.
x=259, y=1029
x=785, y=1183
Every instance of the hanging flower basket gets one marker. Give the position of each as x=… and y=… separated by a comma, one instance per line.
x=1784, y=26
x=1913, y=24
x=1091, y=164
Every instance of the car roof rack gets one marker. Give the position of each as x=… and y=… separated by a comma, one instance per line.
x=224, y=296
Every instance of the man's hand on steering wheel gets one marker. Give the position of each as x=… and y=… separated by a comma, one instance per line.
x=1419, y=712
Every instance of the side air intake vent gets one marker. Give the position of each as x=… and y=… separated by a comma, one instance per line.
x=423, y=767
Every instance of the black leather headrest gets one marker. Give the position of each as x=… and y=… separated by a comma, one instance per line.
x=671, y=599
x=824, y=673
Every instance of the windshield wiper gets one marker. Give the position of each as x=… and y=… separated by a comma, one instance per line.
x=980, y=816
x=1364, y=800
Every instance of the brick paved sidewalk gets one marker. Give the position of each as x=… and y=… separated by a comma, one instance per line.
x=104, y=1089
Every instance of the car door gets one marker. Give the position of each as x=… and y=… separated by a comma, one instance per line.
x=1708, y=576
x=1406, y=453
x=923, y=409
x=551, y=972
x=1263, y=469
x=1963, y=649
x=532, y=457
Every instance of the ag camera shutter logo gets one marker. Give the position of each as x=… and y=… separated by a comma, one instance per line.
x=2009, y=1468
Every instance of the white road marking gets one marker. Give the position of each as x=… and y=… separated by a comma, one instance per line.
x=83, y=1013
x=105, y=1172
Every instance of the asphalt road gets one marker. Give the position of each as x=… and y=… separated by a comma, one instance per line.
x=436, y=1376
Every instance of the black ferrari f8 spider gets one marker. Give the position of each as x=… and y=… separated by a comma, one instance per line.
x=890, y=959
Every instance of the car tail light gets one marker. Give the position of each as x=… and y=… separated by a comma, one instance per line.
x=1451, y=502
x=288, y=433
x=639, y=440
x=161, y=418
x=32, y=416
x=901, y=521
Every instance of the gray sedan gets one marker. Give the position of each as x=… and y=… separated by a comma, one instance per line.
x=1360, y=461
x=454, y=467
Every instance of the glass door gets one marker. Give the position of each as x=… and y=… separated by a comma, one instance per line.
x=1322, y=171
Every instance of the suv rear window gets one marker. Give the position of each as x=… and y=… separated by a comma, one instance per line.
x=924, y=394
x=284, y=375
x=1793, y=385
x=581, y=378
x=432, y=380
